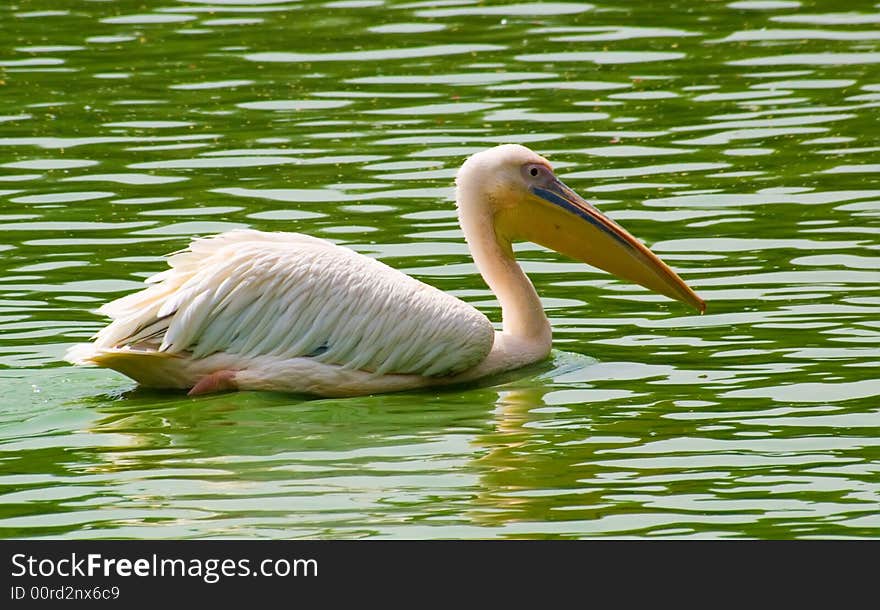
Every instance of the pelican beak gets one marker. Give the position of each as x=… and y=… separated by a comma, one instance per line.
x=571, y=226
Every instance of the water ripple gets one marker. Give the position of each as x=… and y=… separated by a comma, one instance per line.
x=602, y=57
x=374, y=55
x=737, y=139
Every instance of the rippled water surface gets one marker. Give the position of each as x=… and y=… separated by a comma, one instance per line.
x=740, y=140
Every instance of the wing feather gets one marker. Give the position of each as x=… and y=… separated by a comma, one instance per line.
x=288, y=295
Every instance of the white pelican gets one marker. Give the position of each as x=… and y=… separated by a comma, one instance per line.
x=248, y=310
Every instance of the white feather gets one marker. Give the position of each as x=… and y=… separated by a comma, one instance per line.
x=288, y=295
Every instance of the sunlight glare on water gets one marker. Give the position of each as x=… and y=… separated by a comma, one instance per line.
x=737, y=139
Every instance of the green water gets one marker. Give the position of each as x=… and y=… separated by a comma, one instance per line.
x=740, y=140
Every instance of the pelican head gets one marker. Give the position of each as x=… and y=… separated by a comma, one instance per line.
x=515, y=190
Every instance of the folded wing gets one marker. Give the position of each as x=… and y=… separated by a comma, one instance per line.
x=288, y=295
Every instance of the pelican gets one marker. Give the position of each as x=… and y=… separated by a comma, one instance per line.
x=251, y=310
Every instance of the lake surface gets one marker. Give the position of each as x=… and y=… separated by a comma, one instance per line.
x=740, y=140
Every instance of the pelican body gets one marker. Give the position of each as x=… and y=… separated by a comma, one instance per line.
x=251, y=310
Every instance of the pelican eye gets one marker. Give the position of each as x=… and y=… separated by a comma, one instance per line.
x=536, y=172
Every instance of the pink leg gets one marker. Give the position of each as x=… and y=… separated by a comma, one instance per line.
x=218, y=381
